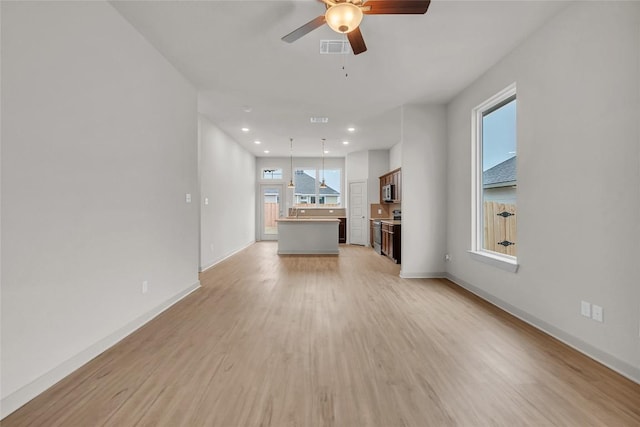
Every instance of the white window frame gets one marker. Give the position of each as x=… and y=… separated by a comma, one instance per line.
x=477, y=252
x=317, y=195
x=262, y=171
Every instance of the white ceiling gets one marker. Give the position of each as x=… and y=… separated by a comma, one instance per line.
x=232, y=53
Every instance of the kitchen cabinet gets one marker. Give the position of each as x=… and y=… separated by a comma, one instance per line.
x=391, y=234
x=342, y=230
x=392, y=178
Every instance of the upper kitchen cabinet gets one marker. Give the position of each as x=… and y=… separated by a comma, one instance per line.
x=391, y=187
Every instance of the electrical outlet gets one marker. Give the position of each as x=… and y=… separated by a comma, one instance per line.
x=206, y=200
x=379, y=211
x=145, y=287
x=597, y=313
x=187, y=198
x=447, y=257
x=585, y=309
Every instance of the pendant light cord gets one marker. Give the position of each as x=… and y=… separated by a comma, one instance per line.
x=291, y=185
x=323, y=184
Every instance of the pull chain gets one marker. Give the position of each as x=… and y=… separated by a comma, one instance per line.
x=344, y=60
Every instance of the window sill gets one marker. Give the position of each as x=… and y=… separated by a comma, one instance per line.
x=507, y=264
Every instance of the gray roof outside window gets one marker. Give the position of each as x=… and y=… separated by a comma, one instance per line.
x=501, y=175
x=306, y=185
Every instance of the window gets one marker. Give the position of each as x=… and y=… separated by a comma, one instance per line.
x=272, y=173
x=495, y=179
x=307, y=192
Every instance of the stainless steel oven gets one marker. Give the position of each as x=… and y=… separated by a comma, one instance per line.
x=377, y=236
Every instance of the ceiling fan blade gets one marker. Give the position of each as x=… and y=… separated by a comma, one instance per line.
x=391, y=7
x=305, y=29
x=357, y=41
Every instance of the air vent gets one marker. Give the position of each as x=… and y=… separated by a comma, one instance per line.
x=319, y=119
x=339, y=47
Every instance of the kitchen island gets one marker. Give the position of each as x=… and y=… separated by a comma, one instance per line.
x=308, y=236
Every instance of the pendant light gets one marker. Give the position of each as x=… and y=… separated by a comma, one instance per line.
x=291, y=185
x=323, y=184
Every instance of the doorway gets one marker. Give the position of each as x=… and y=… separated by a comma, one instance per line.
x=357, y=213
x=271, y=208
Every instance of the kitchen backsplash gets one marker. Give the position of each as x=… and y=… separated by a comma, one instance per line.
x=386, y=210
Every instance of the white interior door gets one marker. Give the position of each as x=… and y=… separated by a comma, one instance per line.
x=358, y=213
x=272, y=203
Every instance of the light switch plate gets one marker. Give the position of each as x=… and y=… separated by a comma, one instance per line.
x=597, y=313
x=585, y=309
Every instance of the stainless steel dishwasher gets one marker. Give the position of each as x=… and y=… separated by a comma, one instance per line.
x=377, y=236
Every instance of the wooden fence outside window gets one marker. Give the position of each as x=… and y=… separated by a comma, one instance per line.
x=271, y=211
x=500, y=234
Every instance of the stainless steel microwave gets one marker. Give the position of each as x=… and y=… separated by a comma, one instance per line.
x=387, y=192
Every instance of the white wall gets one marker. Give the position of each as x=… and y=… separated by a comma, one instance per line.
x=357, y=165
x=395, y=156
x=578, y=176
x=99, y=148
x=368, y=165
x=423, y=191
x=226, y=173
x=378, y=166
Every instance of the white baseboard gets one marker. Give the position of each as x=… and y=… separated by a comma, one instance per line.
x=405, y=275
x=23, y=395
x=204, y=268
x=623, y=368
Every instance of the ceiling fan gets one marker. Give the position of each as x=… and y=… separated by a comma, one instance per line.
x=344, y=16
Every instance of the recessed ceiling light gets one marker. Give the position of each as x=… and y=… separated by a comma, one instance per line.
x=352, y=129
x=257, y=142
x=326, y=151
x=245, y=129
x=345, y=142
x=266, y=151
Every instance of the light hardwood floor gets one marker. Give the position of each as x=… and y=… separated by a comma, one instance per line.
x=334, y=341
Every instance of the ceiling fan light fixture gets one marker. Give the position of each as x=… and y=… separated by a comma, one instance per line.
x=343, y=17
